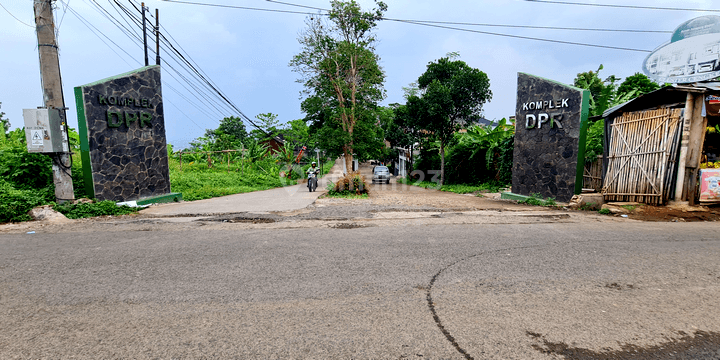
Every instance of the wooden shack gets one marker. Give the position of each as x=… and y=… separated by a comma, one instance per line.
x=655, y=144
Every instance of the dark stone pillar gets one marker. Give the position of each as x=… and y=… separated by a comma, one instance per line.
x=550, y=128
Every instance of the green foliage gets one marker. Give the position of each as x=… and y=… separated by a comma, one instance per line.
x=24, y=170
x=15, y=203
x=639, y=82
x=234, y=127
x=196, y=181
x=594, y=144
x=85, y=210
x=27, y=179
x=269, y=125
x=491, y=186
x=297, y=132
x=342, y=78
x=537, y=200
x=478, y=156
x=452, y=92
x=4, y=123
x=605, y=94
x=604, y=211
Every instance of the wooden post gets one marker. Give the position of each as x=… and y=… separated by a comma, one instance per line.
x=228, y=168
x=209, y=162
x=695, y=147
x=685, y=140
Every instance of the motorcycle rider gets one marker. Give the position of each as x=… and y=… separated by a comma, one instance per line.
x=313, y=170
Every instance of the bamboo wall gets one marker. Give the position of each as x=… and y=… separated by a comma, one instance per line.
x=642, y=149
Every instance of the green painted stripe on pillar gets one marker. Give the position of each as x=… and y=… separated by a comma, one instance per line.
x=584, y=115
x=84, y=144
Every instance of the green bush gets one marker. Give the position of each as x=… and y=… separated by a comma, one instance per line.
x=594, y=141
x=15, y=204
x=537, y=200
x=26, y=171
x=85, y=210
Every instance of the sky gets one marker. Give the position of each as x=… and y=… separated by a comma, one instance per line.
x=246, y=52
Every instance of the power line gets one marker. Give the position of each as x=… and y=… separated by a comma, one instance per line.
x=535, y=27
x=449, y=28
x=240, y=7
x=199, y=74
x=495, y=25
x=95, y=31
x=208, y=102
x=621, y=6
x=14, y=17
x=527, y=37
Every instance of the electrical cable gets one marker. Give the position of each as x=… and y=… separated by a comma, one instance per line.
x=90, y=27
x=527, y=37
x=440, y=26
x=14, y=17
x=208, y=105
x=494, y=25
x=213, y=87
x=621, y=6
x=202, y=80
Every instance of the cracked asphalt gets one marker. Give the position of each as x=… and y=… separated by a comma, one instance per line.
x=405, y=274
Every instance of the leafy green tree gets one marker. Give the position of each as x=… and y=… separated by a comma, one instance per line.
x=342, y=78
x=453, y=94
x=297, y=131
x=233, y=126
x=638, y=82
x=269, y=127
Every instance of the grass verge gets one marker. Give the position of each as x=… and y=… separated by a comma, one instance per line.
x=456, y=188
x=196, y=181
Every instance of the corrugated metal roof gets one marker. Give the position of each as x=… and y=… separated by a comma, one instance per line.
x=665, y=95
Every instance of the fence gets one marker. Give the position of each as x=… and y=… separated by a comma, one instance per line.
x=592, y=178
x=642, y=148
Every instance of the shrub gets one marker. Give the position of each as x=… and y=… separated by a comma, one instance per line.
x=84, y=210
x=15, y=204
x=537, y=200
x=352, y=183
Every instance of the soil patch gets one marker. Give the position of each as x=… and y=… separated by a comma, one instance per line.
x=663, y=213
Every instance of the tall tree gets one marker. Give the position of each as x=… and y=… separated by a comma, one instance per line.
x=343, y=81
x=453, y=94
x=297, y=132
x=233, y=126
x=638, y=82
x=270, y=126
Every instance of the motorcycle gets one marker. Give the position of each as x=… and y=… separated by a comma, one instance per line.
x=312, y=180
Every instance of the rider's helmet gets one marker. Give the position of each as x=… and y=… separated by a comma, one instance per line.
x=313, y=163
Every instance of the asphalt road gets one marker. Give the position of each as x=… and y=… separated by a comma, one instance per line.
x=408, y=289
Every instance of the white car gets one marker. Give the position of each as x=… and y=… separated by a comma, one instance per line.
x=381, y=174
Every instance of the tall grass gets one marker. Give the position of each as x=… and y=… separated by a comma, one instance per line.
x=196, y=181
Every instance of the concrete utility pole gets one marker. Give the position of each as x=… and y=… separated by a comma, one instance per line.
x=52, y=93
x=157, y=37
x=142, y=5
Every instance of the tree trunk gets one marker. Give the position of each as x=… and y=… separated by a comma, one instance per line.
x=348, y=159
x=442, y=164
